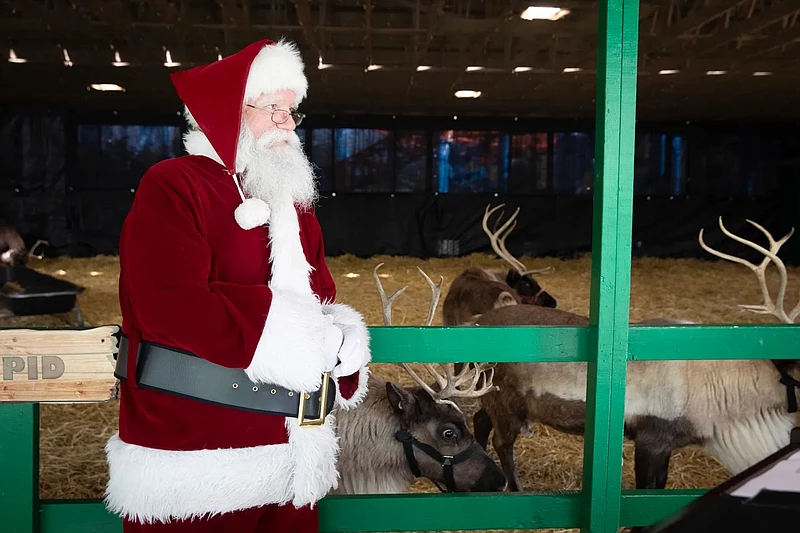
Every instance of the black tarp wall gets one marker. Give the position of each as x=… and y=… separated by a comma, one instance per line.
x=70, y=179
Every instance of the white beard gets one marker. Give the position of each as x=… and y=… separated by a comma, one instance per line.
x=276, y=172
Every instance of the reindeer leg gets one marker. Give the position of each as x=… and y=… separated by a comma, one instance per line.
x=505, y=435
x=651, y=462
x=482, y=427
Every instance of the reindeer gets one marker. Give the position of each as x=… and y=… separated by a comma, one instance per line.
x=476, y=290
x=379, y=437
x=738, y=410
x=12, y=247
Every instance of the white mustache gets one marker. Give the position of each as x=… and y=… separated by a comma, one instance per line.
x=275, y=136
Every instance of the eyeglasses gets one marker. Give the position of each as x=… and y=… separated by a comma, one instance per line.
x=280, y=116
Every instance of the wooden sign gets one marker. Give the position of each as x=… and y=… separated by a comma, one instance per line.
x=58, y=365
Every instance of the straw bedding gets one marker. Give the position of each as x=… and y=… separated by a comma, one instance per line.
x=73, y=436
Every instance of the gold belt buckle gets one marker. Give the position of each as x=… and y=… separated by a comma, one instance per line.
x=323, y=401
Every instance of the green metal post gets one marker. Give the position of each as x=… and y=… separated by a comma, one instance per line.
x=611, y=264
x=19, y=468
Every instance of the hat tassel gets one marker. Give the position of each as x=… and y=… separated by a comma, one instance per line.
x=252, y=212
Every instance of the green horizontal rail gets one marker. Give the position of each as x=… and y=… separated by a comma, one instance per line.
x=571, y=344
x=77, y=516
x=416, y=512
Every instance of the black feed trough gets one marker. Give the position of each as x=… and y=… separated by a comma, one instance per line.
x=26, y=292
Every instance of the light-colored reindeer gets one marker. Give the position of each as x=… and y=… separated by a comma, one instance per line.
x=738, y=410
x=476, y=290
x=398, y=434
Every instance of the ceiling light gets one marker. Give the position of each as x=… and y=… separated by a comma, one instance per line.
x=67, y=60
x=374, y=67
x=423, y=67
x=467, y=94
x=523, y=69
x=12, y=57
x=571, y=69
x=473, y=69
x=118, y=62
x=716, y=72
x=544, y=13
x=669, y=71
x=106, y=87
x=762, y=73
x=168, y=60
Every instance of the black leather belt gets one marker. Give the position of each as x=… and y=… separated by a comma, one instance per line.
x=184, y=374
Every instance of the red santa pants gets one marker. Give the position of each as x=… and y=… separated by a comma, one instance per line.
x=268, y=519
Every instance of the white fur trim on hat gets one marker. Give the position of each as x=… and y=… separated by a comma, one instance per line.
x=277, y=67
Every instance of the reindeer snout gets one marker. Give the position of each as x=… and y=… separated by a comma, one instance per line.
x=492, y=480
x=545, y=300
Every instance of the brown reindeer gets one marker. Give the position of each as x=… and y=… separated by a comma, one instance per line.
x=398, y=433
x=476, y=290
x=738, y=410
x=12, y=248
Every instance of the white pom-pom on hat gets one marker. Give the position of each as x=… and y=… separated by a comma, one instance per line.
x=251, y=213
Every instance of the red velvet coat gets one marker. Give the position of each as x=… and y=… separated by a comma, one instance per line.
x=191, y=278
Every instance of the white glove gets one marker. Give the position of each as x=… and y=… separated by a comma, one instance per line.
x=352, y=353
x=332, y=343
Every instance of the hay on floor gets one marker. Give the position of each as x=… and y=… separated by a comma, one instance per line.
x=73, y=436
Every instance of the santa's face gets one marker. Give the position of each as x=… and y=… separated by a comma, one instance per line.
x=274, y=166
x=258, y=118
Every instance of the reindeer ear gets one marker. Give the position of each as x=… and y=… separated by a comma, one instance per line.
x=512, y=278
x=505, y=298
x=402, y=401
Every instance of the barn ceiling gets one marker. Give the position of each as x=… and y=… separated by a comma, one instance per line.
x=363, y=55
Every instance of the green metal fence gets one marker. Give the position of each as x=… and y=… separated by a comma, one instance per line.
x=606, y=344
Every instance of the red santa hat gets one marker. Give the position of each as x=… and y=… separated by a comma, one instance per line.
x=215, y=94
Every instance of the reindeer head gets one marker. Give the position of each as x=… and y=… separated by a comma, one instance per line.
x=518, y=277
x=431, y=422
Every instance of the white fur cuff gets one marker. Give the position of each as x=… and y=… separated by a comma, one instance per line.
x=290, y=351
x=347, y=316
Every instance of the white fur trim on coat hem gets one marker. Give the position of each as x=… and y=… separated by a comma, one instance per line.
x=290, y=351
x=277, y=67
x=148, y=485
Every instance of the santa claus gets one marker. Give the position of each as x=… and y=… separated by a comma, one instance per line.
x=233, y=351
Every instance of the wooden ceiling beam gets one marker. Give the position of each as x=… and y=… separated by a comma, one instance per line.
x=765, y=18
x=783, y=38
x=304, y=16
x=700, y=16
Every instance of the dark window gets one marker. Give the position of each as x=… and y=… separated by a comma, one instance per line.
x=734, y=165
x=411, y=161
x=363, y=160
x=573, y=163
x=528, y=172
x=117, y=156
x=322, y=156
x=470, y=161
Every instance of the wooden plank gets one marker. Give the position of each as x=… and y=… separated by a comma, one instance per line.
x=22, y=342
x=59, y=365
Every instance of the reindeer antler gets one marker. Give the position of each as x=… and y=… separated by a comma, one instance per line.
x=449, y=384
x=386, y=303
x=498, y=241
x=31, y=254
x=768, y=307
